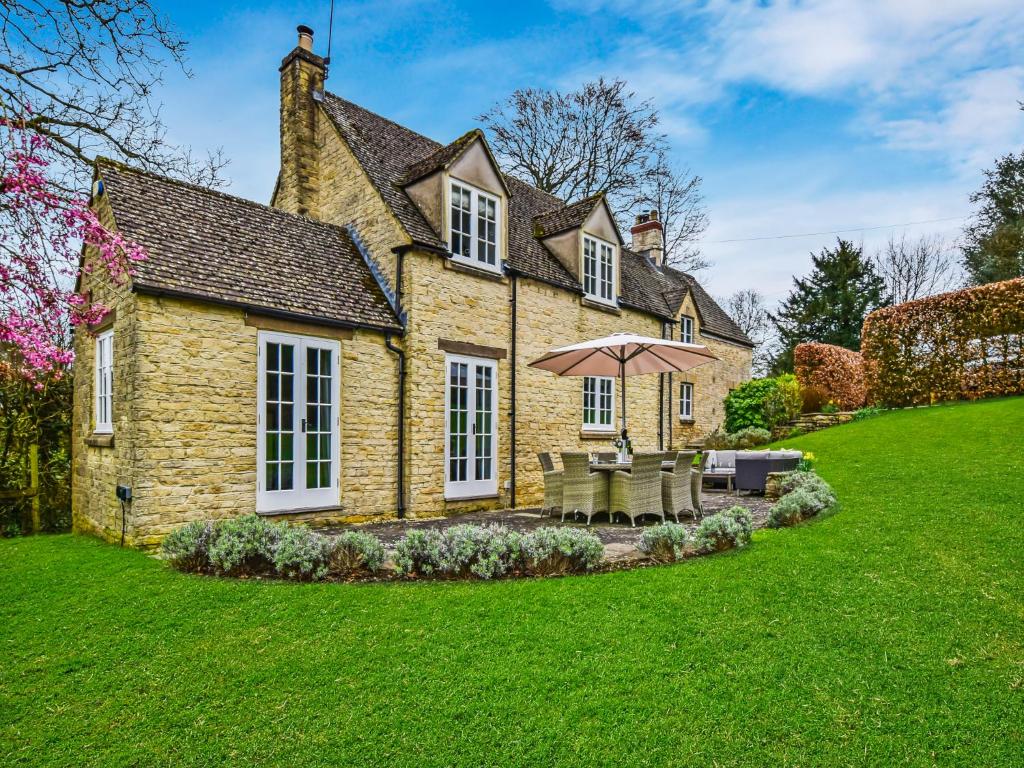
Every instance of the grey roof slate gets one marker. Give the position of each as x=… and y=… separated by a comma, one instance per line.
x=568, y=217
x=222, y=248
x=714, y=319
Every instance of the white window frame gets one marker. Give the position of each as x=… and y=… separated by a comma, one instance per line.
x=103, y=408
x=471, y=487
x=686, y=401
x=601, y=281
x=297, y=497
x=686, y=329
x=476, y=196
x=595, y=381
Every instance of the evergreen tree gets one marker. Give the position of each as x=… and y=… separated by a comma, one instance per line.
x=830, y=304
x=993, y=247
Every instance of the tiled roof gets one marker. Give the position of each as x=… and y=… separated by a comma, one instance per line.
x=713, y=318
x=441, y=157
x=568, y=217
x=222, y=248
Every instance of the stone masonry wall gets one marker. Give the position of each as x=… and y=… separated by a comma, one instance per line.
x=447, y=303
x=711, y=383
x=97, y=468
x=191, y=371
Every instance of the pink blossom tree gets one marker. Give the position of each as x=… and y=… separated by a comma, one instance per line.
x=40, y=251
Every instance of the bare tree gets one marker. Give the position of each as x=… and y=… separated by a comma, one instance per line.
x=83, y=75
x=676, y=194
x=913, y=269
x=596, y=139
x=748, y=310
x=600, y=138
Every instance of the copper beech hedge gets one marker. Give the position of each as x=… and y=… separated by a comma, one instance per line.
x=966, y=344
x=834, y=374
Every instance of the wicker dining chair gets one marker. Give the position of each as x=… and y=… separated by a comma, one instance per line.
x=583, y=492
x=637, y=493
x=697, y=484
x=552, y=484
x=676, y=495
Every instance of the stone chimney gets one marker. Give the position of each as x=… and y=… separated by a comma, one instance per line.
x=649, y=237
x=302, y=86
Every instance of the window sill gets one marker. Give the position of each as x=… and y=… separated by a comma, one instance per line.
x=100, y=440
x=472, y=269
x=611, y=309
x=598, y=434
x=683, y=420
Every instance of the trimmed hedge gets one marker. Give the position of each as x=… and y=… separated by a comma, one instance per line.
x=962, y=345
x=835, y=372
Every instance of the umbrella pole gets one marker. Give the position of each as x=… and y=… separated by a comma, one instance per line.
x=623, y=452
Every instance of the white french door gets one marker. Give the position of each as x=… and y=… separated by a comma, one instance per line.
x=471, y=427
x=298, y=423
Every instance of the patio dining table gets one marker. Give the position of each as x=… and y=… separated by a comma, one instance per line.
x=611, y=466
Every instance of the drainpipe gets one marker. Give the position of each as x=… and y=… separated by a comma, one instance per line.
x=661, y=402
x=399, y=260
x=513, y=305
x=671, y=392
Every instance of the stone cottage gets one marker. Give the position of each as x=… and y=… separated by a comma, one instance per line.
x=359, y=347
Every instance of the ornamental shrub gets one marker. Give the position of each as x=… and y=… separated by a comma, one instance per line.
x=794, y=507
x=744, y=406
x=762, y=403
x=833, y=374
x=419, y=552
x=244, y=545
x=558, y=551
x=665, y=543
x=965, y=344
x=187, y=548
x=725, y=530
x=355, y=552
x=812, y=483
x=484, y=551
x=750, y=437
x=868, y=412
x=301, y=554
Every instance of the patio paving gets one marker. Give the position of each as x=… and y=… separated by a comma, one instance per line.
x=620, y=539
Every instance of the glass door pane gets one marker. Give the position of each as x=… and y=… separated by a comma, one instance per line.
x=483, y=422
x=458, y=422
x=319, y=416
x=279, y=435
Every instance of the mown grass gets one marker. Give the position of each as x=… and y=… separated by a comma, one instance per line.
x=889, y=633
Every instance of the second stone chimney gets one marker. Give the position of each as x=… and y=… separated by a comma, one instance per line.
x=302, y=85
x=649, y=237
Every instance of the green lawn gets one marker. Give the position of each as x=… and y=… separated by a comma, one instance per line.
x=889, y=633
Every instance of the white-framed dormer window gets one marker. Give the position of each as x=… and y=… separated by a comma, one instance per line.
x=474, y=224
x=104, y=407
x=599, y=403
x=686, y=401
x=598, y=270
x=686, y=329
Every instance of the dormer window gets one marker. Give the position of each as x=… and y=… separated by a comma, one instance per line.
x=686, y=329
x=474, y=227
x=598, y=270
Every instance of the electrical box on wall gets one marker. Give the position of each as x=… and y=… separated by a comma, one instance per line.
x=124, y=492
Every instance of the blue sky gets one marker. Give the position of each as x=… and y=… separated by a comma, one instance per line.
x=801, y=117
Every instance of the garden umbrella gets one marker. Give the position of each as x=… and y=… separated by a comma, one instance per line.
x=622, y=355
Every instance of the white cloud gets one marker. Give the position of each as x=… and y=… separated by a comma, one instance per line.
x=979, y=121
